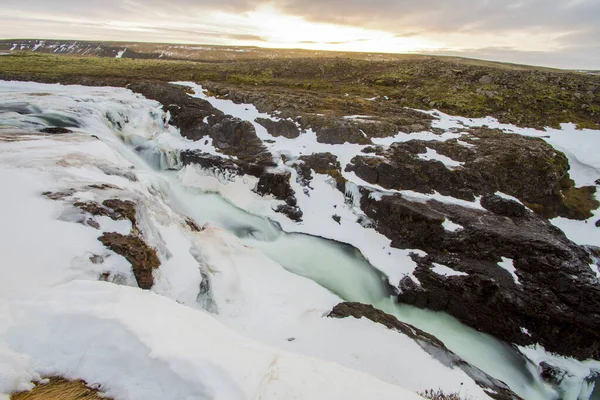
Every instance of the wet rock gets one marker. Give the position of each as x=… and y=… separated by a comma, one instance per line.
x=210, y=162
x=282, y=127
x=142, y=257
x=502, y=206
x=56, y=130
x=551, y=374
x=493, y=387
x=238, y=138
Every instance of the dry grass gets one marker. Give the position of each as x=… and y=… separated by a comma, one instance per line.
x=60, y=389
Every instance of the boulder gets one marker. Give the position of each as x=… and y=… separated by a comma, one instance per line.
x=282, y=127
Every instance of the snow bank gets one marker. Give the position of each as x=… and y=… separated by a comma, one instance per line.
x=137, y=344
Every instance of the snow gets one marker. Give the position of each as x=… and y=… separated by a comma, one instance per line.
x=426, y=136
x=508, y=197
x=509, y=265
x=38, y=45
x=137, y=344
x=451, y=226
x=121, y=53
x=444, y=270
x=431, y=154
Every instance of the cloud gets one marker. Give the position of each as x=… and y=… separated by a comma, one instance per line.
x=549, y=32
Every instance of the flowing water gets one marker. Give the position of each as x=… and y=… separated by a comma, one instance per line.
x=338, y=267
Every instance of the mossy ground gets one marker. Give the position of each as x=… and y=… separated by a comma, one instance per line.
x=60, y=389
x=338, y=83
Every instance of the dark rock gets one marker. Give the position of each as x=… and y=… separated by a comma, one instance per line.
x=276, y=184
x=552, y=374
x=90, y=222
x=56, y=130
x=115, y=209
x=282, y=127
x=502, y=206
x=556, y=287
x=104, y=186
x=598, y=224
x=493, y=387
x=335, y=131
x=337, y=218
x=321, y=163
x=293, y=213
x=187, y=113
x=213, y=163
x=96, y=259
x=142, y=257
x=193, y=225
x=197, y=118
x=597, y=182
x=122, y=209
x=526, y=168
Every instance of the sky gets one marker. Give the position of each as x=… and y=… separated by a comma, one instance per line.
x=556, y=33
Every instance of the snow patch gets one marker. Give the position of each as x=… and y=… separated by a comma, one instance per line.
x=431, y=154
x=451, y=226
x=509, y=265
x=444, y=270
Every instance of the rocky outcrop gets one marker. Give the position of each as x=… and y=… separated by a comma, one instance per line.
x=552, y=289
x=321, y=163
x=495, y=388
x=197, y=118
x=526, y=168
x=282, y=127
x=270, y=181
x=142, y=257
x=338, y=131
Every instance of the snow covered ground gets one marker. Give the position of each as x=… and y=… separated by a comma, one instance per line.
x=267, y=323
